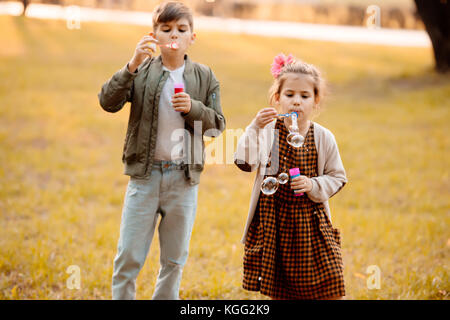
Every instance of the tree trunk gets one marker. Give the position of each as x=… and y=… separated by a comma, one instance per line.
x=25, y=5
x=435, y=15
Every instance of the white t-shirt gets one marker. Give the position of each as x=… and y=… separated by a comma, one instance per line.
x=169, y=143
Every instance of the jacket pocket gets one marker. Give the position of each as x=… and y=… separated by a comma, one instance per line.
x=130, y=145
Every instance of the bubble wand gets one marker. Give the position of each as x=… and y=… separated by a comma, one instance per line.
x=287, y=114
x=172, y=45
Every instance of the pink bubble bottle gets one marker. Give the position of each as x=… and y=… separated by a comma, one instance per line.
x=295, y=172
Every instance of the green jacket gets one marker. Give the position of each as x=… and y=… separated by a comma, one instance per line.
x=143, y=89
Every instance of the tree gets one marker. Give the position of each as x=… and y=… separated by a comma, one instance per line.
x=435, y=15
x=25, y=5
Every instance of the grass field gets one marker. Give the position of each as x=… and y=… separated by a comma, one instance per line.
x=62, y=182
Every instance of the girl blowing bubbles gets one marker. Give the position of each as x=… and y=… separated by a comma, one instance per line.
x=292, y=251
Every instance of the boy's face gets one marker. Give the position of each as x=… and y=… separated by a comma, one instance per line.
x=177, y=31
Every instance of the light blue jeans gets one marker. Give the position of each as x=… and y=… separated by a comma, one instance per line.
x=166, y=192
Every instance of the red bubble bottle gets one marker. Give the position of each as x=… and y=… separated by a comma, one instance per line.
x=179, y=87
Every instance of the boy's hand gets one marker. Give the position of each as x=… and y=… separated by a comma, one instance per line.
x=145, y=48
x=181, y=102
x=265, y=116
x=301, y=184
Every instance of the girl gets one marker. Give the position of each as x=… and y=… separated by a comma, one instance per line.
x=292, y=251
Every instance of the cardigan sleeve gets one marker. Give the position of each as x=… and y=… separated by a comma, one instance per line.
x=246, y=156
x=334, y=177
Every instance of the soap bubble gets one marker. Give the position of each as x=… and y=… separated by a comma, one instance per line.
x=293, y=127
x=269, y=185
x=294, y=139
x=283, y=178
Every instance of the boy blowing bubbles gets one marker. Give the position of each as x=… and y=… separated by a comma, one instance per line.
x=177, y=33
x=164, y=174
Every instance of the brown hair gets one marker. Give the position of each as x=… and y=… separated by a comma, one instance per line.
x=171, y=11
x=299, y=67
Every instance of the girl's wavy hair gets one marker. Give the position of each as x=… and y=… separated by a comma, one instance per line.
x=282, y=66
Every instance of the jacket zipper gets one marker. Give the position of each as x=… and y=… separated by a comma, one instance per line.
x=149, y=136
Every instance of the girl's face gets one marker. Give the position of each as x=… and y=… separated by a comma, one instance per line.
x=177, y=31
x=296, y=94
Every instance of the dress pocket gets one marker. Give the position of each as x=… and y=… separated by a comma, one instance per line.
x=253, y=250
x=337, y=235
x=252, y=266
x=331, y=235
x=253, y=256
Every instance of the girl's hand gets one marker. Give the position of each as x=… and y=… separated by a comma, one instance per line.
x=265, y=116
x=301, y=184
x=181, y=102
x=145, y=48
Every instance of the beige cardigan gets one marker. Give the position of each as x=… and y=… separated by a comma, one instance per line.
x=253, y=153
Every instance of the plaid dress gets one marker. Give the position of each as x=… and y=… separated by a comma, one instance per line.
x=291, y=250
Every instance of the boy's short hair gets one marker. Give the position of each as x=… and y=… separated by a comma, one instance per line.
x=171, y=11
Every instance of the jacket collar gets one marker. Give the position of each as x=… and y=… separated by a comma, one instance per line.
x=188, y=66
x=188, y=75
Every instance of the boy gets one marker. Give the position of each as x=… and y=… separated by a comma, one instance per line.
x=164, y=173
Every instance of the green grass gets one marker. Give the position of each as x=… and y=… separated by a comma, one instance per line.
x=62, y=182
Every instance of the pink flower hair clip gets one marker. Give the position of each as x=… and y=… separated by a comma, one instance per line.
x=279, y=62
